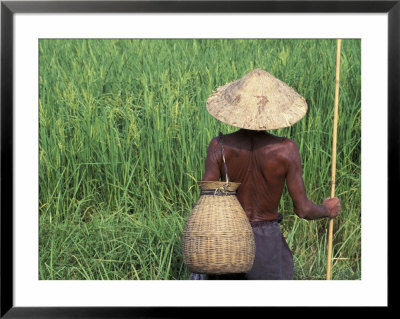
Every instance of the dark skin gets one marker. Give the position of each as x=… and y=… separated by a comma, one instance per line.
x=262, y=163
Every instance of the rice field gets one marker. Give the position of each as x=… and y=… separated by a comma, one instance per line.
x=123, y=134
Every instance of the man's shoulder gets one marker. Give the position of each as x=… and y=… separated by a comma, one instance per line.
x=215, y=141
x=283, y=150
x=288, y=143
x=284, y=143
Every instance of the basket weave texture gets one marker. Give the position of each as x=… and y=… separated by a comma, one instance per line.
x=218, y=238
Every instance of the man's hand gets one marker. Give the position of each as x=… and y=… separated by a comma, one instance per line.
x=332, y=205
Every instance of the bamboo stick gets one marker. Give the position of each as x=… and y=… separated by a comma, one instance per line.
x=334, y=140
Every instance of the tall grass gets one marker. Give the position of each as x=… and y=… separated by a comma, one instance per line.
x=123, y=137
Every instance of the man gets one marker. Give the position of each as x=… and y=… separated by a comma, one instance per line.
x=262, y=163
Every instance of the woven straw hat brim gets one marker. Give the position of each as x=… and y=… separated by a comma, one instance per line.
x=257, y=101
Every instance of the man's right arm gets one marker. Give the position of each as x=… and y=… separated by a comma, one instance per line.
x=303, y=207
x=212, y=172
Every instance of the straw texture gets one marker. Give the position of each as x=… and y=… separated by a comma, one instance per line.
x=218, y=238
x=257, y=101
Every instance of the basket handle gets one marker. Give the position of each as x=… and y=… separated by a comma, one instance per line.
x=223, y=157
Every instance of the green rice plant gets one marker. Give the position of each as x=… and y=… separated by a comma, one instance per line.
x=123, y=134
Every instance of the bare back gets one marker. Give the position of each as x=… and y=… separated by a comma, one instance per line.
x=257, y=160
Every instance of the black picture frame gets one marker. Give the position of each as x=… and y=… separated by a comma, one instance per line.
x=9, y=8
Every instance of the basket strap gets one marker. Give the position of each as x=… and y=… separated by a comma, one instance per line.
x=223, y=156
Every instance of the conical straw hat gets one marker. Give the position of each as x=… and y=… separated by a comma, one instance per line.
x=257, y=101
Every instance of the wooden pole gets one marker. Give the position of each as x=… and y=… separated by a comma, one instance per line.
x=334, y=140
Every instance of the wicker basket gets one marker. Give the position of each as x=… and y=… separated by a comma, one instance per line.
x=218, y=238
